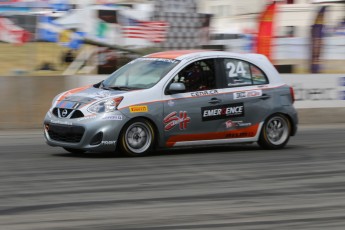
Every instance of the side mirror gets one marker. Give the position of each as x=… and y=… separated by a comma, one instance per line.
x=177, y=87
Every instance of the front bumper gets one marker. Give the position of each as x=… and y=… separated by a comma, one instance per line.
x=97, y=133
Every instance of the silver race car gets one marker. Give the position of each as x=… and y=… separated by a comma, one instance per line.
x=176, y=98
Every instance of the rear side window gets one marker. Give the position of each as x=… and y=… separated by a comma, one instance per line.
x=241, y=73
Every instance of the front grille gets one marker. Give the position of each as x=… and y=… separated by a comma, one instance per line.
x=55, y=112
x=77, y=114
x=70, y=134
x=59, y=112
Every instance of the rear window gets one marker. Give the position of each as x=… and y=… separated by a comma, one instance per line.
x=241, y=73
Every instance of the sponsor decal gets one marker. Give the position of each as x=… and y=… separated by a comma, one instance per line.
x=204, y=93
x=240, y=135
x=222, y=111
x=60, y=122
x=171, y=103
x=231, y=124
x=138, y=109
x=171, y=120
x=108, y=142
x=113, y=118
x=86, y=118
x=68, y=105
x=246, y=94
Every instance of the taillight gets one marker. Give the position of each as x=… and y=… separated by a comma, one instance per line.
x=292, y=93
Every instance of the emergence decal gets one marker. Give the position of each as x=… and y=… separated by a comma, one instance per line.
x=222, y=111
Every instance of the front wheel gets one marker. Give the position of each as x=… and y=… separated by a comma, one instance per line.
x=137, y=138
x=275, y=132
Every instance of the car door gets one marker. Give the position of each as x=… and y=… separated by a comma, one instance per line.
x=244, y=97
x=183, y=121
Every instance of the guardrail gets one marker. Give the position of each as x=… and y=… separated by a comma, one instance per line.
x=25, y=99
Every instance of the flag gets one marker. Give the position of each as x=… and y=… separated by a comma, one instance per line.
x=317, y=35
x=264, y=39
x=50, y=31
x=11, y=33
x=154, y=31
x=8, y=2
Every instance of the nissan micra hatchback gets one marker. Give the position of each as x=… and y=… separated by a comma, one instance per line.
x=176, y=98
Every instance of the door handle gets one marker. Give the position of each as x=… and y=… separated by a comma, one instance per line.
x=265, y=96
x=214, y=101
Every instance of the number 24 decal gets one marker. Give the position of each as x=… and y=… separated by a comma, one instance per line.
x=235, y=70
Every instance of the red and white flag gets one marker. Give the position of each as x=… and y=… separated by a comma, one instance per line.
x=154, y=31
x=11, y=33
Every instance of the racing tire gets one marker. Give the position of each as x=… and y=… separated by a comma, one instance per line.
x=275, y=132
x=75, y=151
x=137, y=138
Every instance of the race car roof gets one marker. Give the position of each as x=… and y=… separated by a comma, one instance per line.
x=257, y=59
x=174, y=54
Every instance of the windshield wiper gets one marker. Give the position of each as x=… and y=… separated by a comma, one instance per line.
x=123, y=88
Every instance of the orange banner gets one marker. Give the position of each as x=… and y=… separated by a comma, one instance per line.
x=264, y=40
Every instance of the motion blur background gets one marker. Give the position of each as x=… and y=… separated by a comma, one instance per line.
x=48, y=46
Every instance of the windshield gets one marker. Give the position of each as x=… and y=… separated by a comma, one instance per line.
x=141, y=73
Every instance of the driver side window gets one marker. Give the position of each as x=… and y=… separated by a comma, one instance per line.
x=199, y=75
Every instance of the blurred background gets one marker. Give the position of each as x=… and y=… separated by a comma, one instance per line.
x=68, y=37
x=47, y=46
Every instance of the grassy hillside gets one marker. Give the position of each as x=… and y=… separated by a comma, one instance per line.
x=28, y=58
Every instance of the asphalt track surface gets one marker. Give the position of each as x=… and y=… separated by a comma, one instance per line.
x=232, y=187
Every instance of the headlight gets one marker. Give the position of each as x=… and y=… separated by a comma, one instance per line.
x=106, y=106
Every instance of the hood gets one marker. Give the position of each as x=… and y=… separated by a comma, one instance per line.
x=79, y=97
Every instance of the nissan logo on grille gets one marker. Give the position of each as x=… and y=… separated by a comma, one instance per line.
x=64, y=113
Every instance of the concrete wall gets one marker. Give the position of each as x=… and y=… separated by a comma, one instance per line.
x=25, y=100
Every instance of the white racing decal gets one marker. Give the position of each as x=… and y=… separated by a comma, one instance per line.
x=204, y=93
x=235, y=70
x=246, y=94
x=108, y=142
x=86, y=118
x=113, y=118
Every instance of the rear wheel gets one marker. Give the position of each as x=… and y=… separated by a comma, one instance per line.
x=137, y=138
x=76, y=151
x=275, y=132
